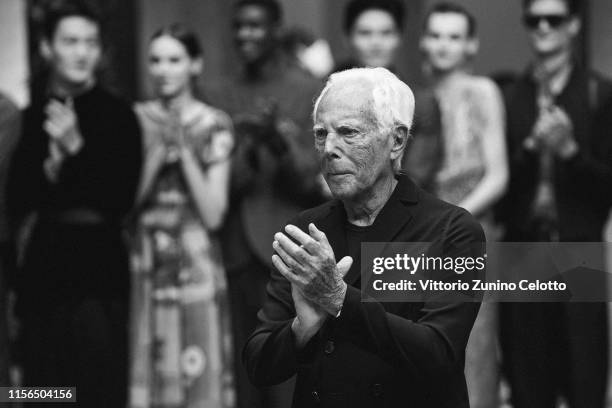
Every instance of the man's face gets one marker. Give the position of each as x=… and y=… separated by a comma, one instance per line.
x=446, y=42
x=375, y=39
x=253, y=33
x=353, y=152
x=550, y=26
x=74, y=51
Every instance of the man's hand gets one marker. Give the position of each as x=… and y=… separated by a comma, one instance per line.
x=62, y=126
x=311, y=267
x=309, y=317
x=554, y=131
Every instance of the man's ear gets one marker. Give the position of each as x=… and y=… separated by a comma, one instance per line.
x=45, y=49
x=575, y=25
x=399, y=140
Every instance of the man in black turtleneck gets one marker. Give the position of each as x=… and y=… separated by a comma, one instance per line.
x=75, y=170
x=275, y=169
x=560, y=155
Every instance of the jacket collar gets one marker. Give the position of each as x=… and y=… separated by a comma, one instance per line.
x=390, y=221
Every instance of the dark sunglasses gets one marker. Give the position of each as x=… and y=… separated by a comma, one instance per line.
x=533, y=21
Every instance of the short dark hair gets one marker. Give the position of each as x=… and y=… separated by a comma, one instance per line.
x=355, y=8
x=272, y=7
x=573, y=6
x=183, y=35
x=448, y=7
x=68, y=8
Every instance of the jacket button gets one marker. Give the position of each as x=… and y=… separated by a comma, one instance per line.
x=329, y=347
x=315, y=396
x=377, y=390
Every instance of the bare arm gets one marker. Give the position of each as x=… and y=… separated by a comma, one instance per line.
x=493, y=184
x=210, y=188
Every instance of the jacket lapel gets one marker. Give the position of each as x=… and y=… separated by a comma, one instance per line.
x=333, y=226
x=390, y=221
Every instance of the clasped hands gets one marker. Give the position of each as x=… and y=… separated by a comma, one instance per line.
x=553, y=131
x=65, y=138
x=317, y=285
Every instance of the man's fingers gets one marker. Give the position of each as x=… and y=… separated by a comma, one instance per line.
x=55, y=108
x=291, y=247
x=345, y=265
x=52, y=129
x=285, y=271
x=306, y=240
x=289, y=260
x=317, y=234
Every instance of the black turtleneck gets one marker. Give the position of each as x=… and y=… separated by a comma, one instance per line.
x=101, y=177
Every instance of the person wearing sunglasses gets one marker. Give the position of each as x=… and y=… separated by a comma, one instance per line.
x=560, y=177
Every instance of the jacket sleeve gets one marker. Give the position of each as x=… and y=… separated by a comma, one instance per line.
x=593, y=163
x=433, y=345
x=270, y=355
x=26, y=184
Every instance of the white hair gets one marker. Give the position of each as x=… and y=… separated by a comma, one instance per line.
x=392, y=99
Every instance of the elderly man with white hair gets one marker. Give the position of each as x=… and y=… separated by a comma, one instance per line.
x=345, y=352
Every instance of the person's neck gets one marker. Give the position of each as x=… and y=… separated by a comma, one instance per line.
x=262, y=67
x=442, y=80
x=65, y=89
x=550, y=64
x=178, y=103
x=364, y=210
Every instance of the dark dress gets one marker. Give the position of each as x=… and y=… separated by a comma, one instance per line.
x=74, y=280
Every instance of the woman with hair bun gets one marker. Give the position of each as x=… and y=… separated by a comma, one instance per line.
x=181, y=337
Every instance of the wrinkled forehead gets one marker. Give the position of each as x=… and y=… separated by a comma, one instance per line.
x=348, y=97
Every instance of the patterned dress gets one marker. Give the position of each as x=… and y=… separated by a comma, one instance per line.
x=181, y=338
x=463, y=123
x=468, y=108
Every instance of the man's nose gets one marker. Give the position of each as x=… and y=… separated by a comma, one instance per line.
x=544, y=25
x=331, y=144
x=245, y=32
x=81, y=49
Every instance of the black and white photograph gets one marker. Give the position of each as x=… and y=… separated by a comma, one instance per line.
x=305, y=203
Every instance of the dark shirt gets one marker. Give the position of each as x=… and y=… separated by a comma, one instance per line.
x=355, y=235
x=101, y=177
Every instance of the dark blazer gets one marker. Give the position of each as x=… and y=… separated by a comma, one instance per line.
x=374, y=354
x=583, y=183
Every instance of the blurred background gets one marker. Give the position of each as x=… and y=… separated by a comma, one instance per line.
x=503, y=40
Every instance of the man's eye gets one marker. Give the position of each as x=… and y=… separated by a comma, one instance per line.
x=346, y=131
x=320, y=134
